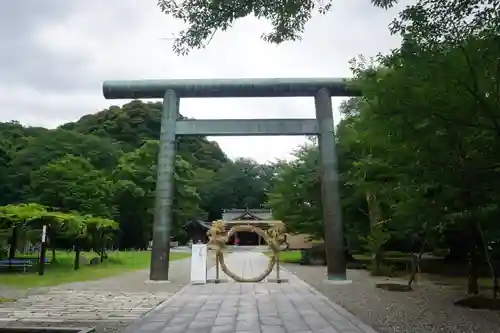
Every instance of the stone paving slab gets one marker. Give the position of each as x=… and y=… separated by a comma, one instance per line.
x=251, y=307
x=71, y=305
x=123, y=298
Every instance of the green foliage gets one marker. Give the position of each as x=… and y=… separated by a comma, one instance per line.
x=381, y=270
x=205, y=18
x=104, y=166
x=136, y=179
x=70, y=225
x=418, y=153
x=72, y=183
x=296, y=195
x=62, y=272
x=376, y=240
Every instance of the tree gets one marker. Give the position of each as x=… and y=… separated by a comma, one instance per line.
x=240, y=184
x=417, y=153
x=102, y=165
x=205, y=18
x=460, y=39
x=296, y=195
x=72, y=184
x=136, y=122
x=72, y=225
x=102, y=153
x=136, y=179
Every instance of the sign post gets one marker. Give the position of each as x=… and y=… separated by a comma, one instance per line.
x=41, y=265
x=199, y=254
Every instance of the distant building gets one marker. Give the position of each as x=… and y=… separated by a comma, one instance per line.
x=197, y=230
x=261, y=218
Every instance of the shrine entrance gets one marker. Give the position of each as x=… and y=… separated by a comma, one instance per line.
x=322, y=89
x=259, y=218
x=247, y=238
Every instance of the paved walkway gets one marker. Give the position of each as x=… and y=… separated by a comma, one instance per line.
x=123, y=298
x=258, y=307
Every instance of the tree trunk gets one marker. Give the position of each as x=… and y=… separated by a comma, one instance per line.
x=488, y=259
x=374, y=215
x=77, y=255
x=53, y=249
x=473, y=237
x=373, y=208
x=417, y=262
x=472, y=285
x=13, y=243
x=52, y=243
x=456, y=241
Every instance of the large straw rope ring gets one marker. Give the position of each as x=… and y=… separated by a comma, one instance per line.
x=263, y=234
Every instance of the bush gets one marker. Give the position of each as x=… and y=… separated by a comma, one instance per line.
x=356, y=265
x=440, y=252
x=396, y=254
x=381, y=270
x=4, y=253
x=316, y=255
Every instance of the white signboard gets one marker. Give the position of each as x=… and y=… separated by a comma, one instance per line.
x=199, y=263
x=44, y=233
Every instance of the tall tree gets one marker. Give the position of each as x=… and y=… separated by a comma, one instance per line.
x=72, y=184
x=136, y=186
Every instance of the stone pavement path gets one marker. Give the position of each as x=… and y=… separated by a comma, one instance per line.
x=253, y=307
x=121, y=298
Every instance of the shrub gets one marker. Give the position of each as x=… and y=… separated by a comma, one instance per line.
x=396, y=254
x=381, y=270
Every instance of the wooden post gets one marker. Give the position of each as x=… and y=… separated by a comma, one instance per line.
x=217, y=279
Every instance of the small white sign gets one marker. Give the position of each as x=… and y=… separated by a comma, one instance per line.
x=44, y=233
x=199, y=254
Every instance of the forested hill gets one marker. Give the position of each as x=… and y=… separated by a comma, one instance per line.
x=105, y=165
x=137, y=122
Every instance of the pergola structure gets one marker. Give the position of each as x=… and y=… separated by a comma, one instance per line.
x=322, y=89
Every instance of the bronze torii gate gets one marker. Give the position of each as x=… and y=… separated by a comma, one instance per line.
x=322, y=89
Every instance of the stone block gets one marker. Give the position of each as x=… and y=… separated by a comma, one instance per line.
x=272, y=329
x=222, y=321
x=222, y=329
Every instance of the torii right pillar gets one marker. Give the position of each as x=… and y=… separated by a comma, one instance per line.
x=330, y=193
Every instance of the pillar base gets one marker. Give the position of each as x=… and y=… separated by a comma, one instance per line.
x=337, y=279
x=198, y=283
x=274, y=280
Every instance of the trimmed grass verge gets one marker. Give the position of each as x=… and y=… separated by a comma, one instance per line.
x=62, y=271
x=291, y=257
x=5, y=300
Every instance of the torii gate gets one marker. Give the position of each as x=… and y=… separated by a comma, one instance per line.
x=322, y=89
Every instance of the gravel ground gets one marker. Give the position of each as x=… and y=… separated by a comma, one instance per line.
x=429, y=308
x=129, y=282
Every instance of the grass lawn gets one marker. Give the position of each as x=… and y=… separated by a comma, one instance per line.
x=63, y=272
x=292, y=257
x=5, y=300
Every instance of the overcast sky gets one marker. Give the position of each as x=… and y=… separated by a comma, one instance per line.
x=55, y=55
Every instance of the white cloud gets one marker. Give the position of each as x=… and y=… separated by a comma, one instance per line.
x=125, y=39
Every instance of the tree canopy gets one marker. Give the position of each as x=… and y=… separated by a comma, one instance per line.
x=104, y=166
x=205, y=18
x=418, y=152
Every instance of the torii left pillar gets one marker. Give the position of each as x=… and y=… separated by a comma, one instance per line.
x=160, y=260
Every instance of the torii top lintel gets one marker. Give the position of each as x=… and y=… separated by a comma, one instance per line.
x=269, y=87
